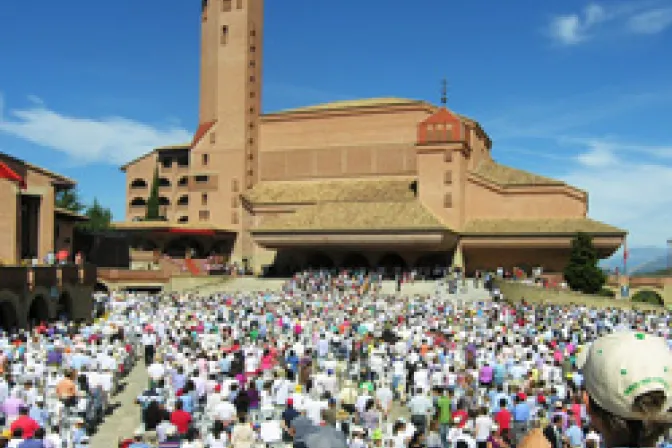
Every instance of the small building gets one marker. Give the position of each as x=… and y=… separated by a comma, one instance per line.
x=31, y=225
x=31, y=228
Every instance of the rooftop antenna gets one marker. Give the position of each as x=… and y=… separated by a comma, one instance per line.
x=444, y=92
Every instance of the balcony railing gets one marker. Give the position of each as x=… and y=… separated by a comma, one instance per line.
x=19, y=279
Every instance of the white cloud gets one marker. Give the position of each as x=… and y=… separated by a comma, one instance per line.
x=650, y=22
x=112, y=140
x=600, y=155
x=626, y=191
x=635, y=17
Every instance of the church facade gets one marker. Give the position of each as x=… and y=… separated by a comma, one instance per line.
x=371, y=182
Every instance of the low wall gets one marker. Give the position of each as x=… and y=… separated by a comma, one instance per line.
x=515, y=292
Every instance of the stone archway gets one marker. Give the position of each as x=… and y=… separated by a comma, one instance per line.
x=392, y=262
x=355, y=260
x=9, y=319
x=319, y=260
x=64, y=310
x=38, y=311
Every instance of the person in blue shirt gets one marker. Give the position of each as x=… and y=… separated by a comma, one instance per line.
x=521, y=416
x=39, y=413
x=574, y=435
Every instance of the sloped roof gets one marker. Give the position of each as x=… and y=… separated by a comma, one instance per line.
x=297, y=192
x=355, y=216
x=508, y=176
x=540, y=226
x=349, y=104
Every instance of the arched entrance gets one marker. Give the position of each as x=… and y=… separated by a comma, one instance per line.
x=392, y=263
x=8, y=318
x=319, y=260
x=64, y=306
x=144, y=244
x=355, y=260
x=179, y=248
x=430, y=265
x=38, y=311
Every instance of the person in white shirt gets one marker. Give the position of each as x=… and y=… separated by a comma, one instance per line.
x=482, y=426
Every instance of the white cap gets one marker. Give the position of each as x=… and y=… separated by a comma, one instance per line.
x=624, y=365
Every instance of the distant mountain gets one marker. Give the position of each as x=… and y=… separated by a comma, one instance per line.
x=640, y=260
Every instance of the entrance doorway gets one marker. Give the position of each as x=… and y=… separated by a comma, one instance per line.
x=30, y=224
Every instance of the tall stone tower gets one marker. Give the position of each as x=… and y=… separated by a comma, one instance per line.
x=224, y=155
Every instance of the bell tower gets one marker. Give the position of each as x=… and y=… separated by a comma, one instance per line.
x=225, y=147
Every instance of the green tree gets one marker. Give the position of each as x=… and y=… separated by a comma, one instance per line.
x=582, y=272
x=69, y=200
x=100, y=218
x=153, y=213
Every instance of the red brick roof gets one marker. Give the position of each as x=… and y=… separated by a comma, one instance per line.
x=203, y=129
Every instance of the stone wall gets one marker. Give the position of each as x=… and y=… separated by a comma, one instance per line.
x=515, y=292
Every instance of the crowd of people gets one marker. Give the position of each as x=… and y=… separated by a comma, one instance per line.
x=331, y=362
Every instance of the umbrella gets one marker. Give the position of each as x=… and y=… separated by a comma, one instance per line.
x=326, y=437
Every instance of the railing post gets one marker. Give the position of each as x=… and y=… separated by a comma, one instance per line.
x=31, y=279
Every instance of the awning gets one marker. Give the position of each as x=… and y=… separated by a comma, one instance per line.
x=7, y=173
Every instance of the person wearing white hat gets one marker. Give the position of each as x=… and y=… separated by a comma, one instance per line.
x=628, y=378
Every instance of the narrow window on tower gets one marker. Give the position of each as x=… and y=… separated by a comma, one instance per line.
x=225, y=34
x=204, y=159
x=212, y=138
x=226, y=5
x=253, y=48
x=448, y=200
x=239, y=4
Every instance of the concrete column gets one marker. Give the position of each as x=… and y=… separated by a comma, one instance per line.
x=10, y=218
x=458, y=258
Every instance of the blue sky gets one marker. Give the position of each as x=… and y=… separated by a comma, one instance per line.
x=575, y=90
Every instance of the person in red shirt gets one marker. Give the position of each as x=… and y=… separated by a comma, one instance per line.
x=181, y=419
x=460, y=416
x=25, y=423
x=503, y=417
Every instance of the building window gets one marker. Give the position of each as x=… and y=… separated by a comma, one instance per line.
x=234, y=202
x=253, y=64
x=252, y=94
x=250, y=141
x=253, y=33
x=139, y=183
x=212, y=138
x=225, y=35
x=251, y=125
x=251, y=110
x=252, y=78
x=183, y=219
x=167, y=162
x=448, y=200
x=184, y=200
x=234, y=185
x=201, y=179
x=239, y=4
x=253, y=49
x=226, y=5
x=234, y=217
x=250, y=172
x=204, y=159
x=250, y=155
x=204, y=215
x=204, y=199
x=448, y=177
x=448, y=156
x=184, y=181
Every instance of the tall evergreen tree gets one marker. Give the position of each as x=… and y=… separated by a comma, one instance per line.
x=153, y=212
x=69, y=200
x=582, y=272
x=100, y=217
